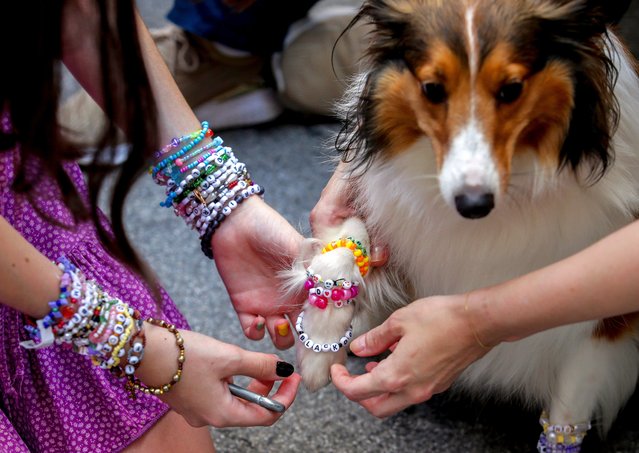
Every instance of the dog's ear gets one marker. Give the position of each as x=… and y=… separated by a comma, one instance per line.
x=600, y=13
x=390, y=24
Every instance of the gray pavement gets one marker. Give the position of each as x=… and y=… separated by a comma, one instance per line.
x=287, y=158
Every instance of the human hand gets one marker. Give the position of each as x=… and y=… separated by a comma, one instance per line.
x=250, y=248
x=202, y=396
x=432, y=342
x=335, y=206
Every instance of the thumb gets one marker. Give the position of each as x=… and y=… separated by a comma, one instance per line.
x=264, y=367
x=375, y=341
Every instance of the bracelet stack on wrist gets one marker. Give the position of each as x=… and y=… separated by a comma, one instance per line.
x=206, y=190
x=87, y=320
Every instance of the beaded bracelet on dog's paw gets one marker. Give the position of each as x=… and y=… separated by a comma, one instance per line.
x=339, y=291
x=359, y=251
x=321, y=347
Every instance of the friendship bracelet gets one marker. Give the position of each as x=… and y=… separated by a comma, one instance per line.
x=205, y=131
x=340, y=291
x=561, y=438
x=134, y=383
x=361, y=256
x=175, y=142
x=205, y=241
x=321, y=347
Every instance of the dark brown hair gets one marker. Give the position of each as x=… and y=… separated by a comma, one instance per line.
x=31, y=32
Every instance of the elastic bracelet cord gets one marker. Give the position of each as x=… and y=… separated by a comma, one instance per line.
x=134, y=384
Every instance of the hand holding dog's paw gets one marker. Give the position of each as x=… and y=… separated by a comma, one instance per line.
x=431, y=345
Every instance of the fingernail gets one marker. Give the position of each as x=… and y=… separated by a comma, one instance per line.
x=259, y=325
x=282, y=329
x=357, y=345
x=284, y=369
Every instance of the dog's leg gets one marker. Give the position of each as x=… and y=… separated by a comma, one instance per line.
x=332, y=281
x=596, y=378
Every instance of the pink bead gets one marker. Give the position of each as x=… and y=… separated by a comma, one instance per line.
x=308, y=284
x=312, y=299
x=354, y=291
x=179, y=162
x=348, y=293
x=321, y=303
x=337, y=294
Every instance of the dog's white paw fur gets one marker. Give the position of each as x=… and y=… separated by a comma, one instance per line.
x=328, y=325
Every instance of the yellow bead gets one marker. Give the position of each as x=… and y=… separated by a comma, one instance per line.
x=342, y=243
x=350, y=245
x=357, y=252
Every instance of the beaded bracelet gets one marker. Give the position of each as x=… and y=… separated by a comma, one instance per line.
x=134, y=383
x=564, y=438
x=205, y=131
x=361, y=256
x=175, y=142
x=339, y=291
x=205, y=242
x=321, y=347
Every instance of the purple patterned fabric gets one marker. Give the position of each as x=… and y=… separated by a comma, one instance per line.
x=53, y=400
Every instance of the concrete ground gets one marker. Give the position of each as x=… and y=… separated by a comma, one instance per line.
x=286, y=157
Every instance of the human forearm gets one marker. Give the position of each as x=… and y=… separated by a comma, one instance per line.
x=599, y=282
x=28, y=280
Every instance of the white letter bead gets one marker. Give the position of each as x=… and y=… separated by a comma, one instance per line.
x=317, y=348
x=119, y=329
x=303, y=337
x=349, y=334
x=137, y=347
x=309, y=344
x=334, y=347
x=133, y=360
x=344, y=341
x=326, y=347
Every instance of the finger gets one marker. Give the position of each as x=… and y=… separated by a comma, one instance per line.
x=280, y=331
x=264, y=367
x=375, y=341
x=356, y=388
x=379, y=255
x=261, y=387
x=387, y=404
x=252, y=325
x=246, y=413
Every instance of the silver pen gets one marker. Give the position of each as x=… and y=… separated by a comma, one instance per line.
x=256, y=398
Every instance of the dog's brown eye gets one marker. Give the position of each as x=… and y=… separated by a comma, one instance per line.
x=510, y=92
x=434, y=92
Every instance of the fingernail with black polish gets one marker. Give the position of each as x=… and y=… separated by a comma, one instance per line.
x=284, y=369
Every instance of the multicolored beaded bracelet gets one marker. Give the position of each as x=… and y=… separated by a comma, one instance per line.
x=361, y=256
x=204, y=132
x=321, y=347
x=564, y=438
x=175, y=143
x=339, y=291
x=134, y=383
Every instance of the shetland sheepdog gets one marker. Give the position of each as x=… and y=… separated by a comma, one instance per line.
x=486, y=139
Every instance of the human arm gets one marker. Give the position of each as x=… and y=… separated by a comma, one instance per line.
x=28, y=281
x=434, y=339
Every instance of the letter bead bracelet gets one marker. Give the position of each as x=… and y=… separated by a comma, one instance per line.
x=203, y=185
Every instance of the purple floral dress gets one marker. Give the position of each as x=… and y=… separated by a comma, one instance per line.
x=52, y=400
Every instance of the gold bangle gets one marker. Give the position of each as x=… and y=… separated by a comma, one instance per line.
x=134, y=383
x=472, y=327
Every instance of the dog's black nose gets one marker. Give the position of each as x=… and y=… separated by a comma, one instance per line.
x=475, y=205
